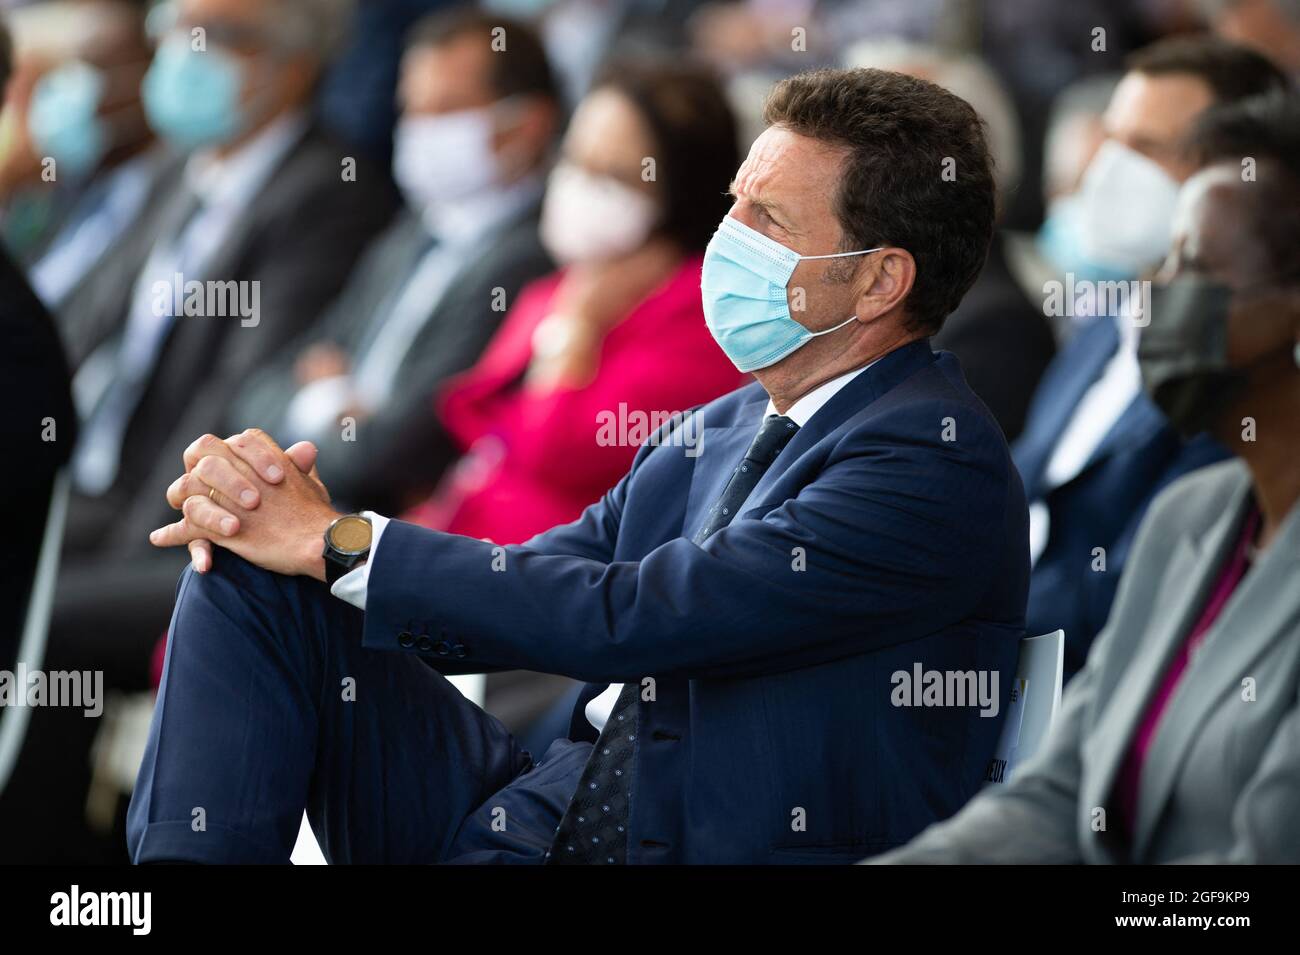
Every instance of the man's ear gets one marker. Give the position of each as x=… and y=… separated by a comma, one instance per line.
x=886, y=281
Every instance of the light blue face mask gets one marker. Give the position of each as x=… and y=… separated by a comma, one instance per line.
x=191, y=97
x=63, y=118
x=744, y=290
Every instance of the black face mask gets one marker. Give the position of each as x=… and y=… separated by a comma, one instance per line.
x=1183, y=353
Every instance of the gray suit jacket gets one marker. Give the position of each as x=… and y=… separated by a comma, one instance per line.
x=400, y=452
x=1221, y=782
x=298, y=239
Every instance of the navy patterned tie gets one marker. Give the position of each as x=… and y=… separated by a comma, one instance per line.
x=594, y=827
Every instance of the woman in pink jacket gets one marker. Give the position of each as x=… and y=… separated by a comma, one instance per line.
x=592, y=357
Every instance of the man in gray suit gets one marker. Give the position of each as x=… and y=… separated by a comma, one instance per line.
x=1179, y=741
x=476, y=132
x=257, y=231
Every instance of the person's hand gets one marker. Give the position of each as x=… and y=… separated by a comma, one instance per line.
x=591, y=300
x=247, y=495
x=322, y=360
x=599, y=295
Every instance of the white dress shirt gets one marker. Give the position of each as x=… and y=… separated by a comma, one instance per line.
x=464, y=229
x=108, y=385
x=352, y=585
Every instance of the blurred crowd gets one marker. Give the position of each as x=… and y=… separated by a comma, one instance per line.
x=444, y=242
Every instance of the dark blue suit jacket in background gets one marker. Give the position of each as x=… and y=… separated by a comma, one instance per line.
x=1104, y=504
x=892, y=531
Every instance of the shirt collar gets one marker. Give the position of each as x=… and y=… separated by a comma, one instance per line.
x=467, y=220
x=235, y=179
x=802, y=411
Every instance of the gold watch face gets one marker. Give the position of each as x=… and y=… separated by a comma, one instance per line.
x=350, y=534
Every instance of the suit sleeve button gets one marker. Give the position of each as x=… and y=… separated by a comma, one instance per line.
x=458, y=650
x=442, y=647
x=405, y=639
x=425, y=644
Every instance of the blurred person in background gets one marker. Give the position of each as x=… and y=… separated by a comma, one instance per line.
x=269, y=215
x=1270, y=26
x=1003, y=340
x=1180, y=740
x=80, y=54
x=1076, y=129
x=39, y=429
x=581, y=35
x=268, y=211
x=1036, y=47
x=1096, y=450
x=618, y=331
x=355, y=100
x=476, y=136
x=87, y=117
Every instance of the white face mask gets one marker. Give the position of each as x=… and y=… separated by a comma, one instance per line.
x=589, y=218
x=443, y=158
x=1126, y=210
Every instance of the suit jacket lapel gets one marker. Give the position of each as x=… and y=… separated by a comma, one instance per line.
x=1182, y=589
x=1184, y=586
x=718, y=452
x=224, y=260
x=1139, y=423
x=1083, y=362
x=1262, y=610
x=880, y=378
x=721, y=448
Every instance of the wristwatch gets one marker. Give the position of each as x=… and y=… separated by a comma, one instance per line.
x=347, y=544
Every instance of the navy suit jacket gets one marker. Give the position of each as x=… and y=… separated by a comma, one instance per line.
x=1104, y=504
x=890, y=532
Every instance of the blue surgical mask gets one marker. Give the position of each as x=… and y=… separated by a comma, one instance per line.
x=1059, y=241
x=63, y=118
x=744, y=290
x=193, y=98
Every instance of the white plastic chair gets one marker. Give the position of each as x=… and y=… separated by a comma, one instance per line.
x=1035, y=699
x=36, y=624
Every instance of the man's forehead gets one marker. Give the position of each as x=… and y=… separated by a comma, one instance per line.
x=783, y=165
x=1158, y=106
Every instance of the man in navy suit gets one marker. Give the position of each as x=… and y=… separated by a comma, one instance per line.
x=1095, y=450
x=799, y=612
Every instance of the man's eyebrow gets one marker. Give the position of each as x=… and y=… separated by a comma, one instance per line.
x=766, y=205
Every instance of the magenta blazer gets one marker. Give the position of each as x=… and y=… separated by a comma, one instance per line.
x=533, y=461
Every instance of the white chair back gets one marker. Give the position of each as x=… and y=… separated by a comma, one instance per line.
x=1035, y=699
x=36, y=625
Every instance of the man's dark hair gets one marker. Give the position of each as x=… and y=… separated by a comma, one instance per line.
x=520, y=68
x=1231, y=72
x=1265, y=129
x=696, y=145
x=6, y=57
x=918, y=174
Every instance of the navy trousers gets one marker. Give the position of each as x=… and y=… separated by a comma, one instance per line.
x=269, y=705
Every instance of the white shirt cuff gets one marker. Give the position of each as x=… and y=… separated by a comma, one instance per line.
x=353, y=585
